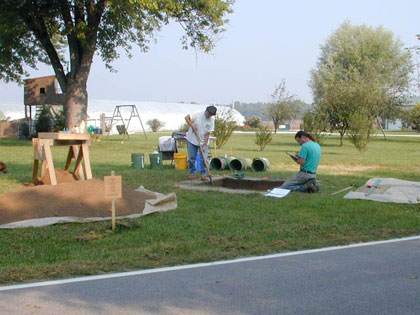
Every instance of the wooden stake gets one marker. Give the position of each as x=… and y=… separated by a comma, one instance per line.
x=112, y=191
x=113, y=209
x=113, y=215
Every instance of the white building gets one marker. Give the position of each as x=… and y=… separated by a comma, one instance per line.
x=171, y=114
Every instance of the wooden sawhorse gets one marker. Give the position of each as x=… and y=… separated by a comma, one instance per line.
x=78, y=149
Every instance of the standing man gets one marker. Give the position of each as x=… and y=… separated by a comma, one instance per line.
x=308, y=158
x=201, y=125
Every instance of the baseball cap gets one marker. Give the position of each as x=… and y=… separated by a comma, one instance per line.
x=211, y=110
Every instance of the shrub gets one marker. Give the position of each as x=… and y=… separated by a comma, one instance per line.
x=43, y=124
x=155, y=124
x=263, y=137
x=184, y=127
x=360, y=129
x=414, y=117
x=253, y=122
x=224, y=126
x=317, y=124
x=59, y=121
x=24, y=133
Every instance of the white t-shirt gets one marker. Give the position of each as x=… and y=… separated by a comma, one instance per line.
x=203, y=125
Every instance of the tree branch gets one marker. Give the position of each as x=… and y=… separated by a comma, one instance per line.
x=37, y=25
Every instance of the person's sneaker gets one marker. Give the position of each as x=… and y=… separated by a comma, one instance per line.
x=312, y=186
x=204, y=178
x=191, y=177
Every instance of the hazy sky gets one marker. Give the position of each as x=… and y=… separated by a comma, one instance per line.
x=265, y=41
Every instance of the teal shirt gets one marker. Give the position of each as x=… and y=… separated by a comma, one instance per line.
x=311, y=152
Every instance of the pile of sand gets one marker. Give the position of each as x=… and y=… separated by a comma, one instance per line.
x=81, y=198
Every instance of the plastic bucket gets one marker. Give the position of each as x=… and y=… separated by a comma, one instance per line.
x=260, y=164
x=240, y=164
x=180, y=161
x=155, y=160
x=219, y=163
x=137, y=160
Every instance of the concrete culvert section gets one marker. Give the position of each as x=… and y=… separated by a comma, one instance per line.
x=260, y=164
x=219, y=163
x=240, y=164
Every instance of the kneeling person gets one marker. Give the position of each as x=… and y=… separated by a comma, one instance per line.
x=308, y=158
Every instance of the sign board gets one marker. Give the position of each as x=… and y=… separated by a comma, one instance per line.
x=113, y=188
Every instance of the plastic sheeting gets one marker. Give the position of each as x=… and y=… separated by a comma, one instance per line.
x=388, y=190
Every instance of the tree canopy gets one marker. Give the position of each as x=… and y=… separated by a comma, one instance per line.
x=67, y=33
x=361, y=69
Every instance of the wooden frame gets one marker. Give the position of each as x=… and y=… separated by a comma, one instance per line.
x=78, y=149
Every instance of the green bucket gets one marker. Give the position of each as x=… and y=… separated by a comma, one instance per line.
x=137, y=161
x=219, y=163
x=155, y=160
x=260, y=164
x=240, y=164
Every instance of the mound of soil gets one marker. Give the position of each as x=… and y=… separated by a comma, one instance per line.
x=79, y=198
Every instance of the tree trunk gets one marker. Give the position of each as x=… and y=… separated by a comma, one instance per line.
x=76, y=106
x=341, y=138
x=276, y=125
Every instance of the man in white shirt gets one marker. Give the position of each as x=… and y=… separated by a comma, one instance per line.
x=201, y=125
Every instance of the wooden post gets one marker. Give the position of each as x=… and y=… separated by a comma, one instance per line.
x=113, y=190
x=103, y=123
x=113, y=215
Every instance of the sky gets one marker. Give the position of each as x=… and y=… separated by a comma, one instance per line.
x=265, y=41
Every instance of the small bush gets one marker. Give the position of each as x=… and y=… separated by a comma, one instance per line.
x=317, y=124
x=263, y=137
x=360, y=129
x=155, y=124
x=59, y=121
x=24, y=133
x=184, y=127
x=414, y=117
x=43, y=124
x=224, y=126
x=253, y=122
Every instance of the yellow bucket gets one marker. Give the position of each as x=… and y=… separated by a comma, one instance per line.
x=180, y=161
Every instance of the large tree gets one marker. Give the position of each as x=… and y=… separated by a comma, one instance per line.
x=360, y=69
x=41, y=31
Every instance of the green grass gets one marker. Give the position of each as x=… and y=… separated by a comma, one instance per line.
x=211, y=226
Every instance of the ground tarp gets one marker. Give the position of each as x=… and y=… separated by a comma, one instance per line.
x=76, y=201
x=388, y=190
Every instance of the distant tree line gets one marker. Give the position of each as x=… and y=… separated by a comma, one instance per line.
x=259, y=109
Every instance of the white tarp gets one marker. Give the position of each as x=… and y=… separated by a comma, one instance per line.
x=167, y=143
x=388, y=190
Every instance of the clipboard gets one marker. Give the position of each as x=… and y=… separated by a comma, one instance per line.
x=294, y=157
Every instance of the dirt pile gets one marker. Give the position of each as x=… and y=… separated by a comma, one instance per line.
x=82, y=198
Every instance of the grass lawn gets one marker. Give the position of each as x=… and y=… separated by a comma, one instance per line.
x=211, y=226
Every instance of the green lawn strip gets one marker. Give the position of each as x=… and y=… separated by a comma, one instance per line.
x=210, y=226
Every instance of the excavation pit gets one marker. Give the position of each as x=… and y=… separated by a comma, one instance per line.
x=233, y=185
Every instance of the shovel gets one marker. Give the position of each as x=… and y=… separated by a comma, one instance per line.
x=204, y=158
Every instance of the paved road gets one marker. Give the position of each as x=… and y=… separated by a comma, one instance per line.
x=380, y=278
